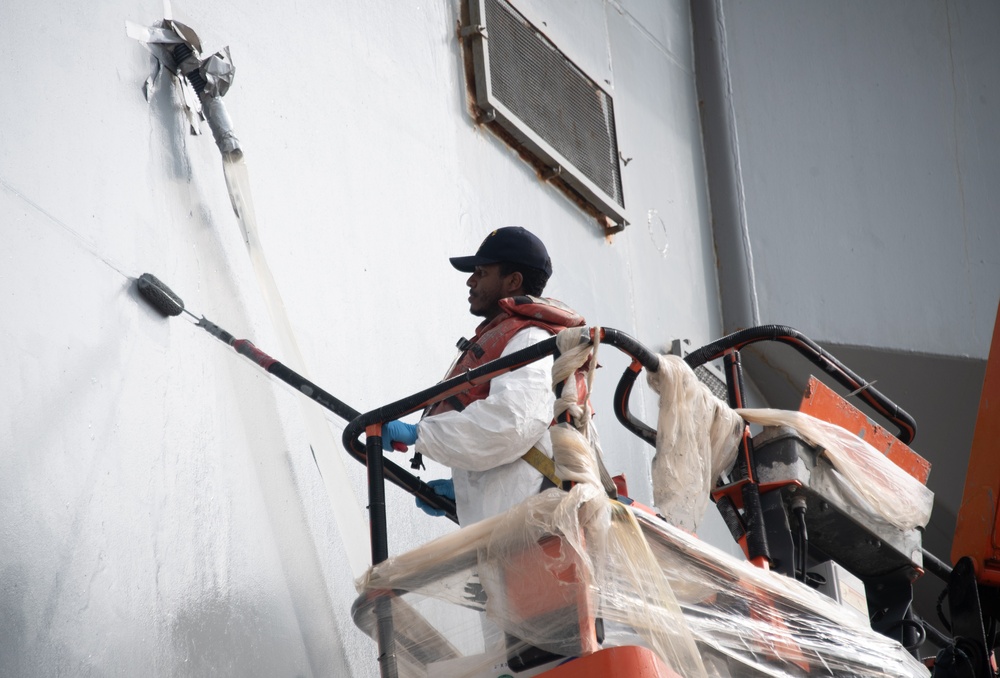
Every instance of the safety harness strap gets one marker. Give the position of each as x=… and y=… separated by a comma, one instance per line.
x=543, y=464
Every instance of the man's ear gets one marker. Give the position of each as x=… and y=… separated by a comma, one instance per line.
x=513, y=283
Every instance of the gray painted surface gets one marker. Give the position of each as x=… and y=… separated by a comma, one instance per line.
x=160, y=510
x=853, y=168
x=869, y=167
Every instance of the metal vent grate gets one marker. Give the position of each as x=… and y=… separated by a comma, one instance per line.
x=547, y=103
x=716, y=385
x=710, y=374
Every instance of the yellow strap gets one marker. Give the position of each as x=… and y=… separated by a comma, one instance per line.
x=543, y=464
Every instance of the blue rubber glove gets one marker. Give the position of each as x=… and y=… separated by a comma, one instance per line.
x=444, y=487
x=398, y=432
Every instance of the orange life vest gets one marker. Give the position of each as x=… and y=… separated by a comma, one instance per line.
x=493, y=335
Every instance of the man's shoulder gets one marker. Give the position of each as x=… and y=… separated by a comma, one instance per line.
x=544, y=310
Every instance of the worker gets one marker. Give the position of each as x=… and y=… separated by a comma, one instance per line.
x=495, y=435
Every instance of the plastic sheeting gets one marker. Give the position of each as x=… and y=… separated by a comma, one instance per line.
x=879, y=487
x=696, y=440
x=573, y=376
x=543, y=571
x=697, y=437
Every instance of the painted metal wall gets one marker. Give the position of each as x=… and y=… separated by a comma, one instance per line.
x=868, y=165
x=161, y=512
x=853, y=154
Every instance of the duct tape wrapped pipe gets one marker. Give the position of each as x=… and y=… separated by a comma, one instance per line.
x=178, y=48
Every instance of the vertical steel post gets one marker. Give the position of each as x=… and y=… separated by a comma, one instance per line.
x=758, y=552
x=380, y=550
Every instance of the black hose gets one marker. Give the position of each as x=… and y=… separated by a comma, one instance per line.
x=642, y=358
x=622, y=394
x=799, y=509
x=915, y=624
x=753, y=513
x=731, y=517
x=629, y=345
x=181, y=52
x=933, y=635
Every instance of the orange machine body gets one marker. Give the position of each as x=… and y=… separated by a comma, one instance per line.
x=631, y=661
x=820, y=401
x=977, y=533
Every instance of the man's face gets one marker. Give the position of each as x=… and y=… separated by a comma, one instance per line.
x=487, y=287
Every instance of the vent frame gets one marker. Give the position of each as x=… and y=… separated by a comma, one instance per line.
x=710, y=374
x=496, y=111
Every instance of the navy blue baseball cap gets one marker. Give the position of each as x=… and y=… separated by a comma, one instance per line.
x=511, y=243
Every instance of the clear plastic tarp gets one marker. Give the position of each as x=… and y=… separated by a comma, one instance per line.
x=870, y=481
x=569, y=573
x=697, y=437
x=696, y=440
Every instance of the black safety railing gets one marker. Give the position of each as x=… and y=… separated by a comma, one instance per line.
x=747, y=528
x=642, y=358
x=732, y=343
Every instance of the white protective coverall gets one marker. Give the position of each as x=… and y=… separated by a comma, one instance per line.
x=483, y=443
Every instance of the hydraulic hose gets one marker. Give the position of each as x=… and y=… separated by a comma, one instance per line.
x=642, y=357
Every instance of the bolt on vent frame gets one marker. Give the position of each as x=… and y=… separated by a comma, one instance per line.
x=528, y=87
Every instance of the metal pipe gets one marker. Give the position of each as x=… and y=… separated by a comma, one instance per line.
x=380, y=549
x=936, y=566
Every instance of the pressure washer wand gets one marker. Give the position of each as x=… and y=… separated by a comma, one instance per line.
x=164, y=300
